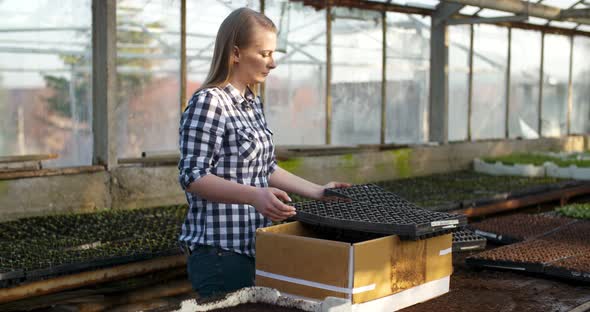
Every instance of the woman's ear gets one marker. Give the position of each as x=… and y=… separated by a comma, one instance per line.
x=236, y=54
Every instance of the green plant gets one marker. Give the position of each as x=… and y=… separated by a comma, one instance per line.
x=537, y=160
x=579, y=211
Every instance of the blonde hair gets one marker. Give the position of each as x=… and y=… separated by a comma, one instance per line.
x=236, y=30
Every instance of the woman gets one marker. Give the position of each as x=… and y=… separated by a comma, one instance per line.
x=227, y=168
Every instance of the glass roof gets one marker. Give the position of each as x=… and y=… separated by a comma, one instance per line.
x=428, y=4
x=568, y=25
x=493, y=13
x=563, y=4
x=477, y=11
x=469, y=10
x=537, y=21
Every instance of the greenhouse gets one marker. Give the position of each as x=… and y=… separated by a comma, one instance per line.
x=295, y=155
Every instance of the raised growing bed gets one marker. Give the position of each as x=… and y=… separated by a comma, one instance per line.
x=500, y=168
x=574, y=166
x=44, y=247
x=464, y=189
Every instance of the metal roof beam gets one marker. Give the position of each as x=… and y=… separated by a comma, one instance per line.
x=444, y=11
x=487, y=20
x=575, y=13
x=526, y=8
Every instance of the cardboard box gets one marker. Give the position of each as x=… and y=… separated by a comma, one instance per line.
x=297, y=261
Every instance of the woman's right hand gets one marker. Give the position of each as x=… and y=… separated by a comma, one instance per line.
x=268, y=202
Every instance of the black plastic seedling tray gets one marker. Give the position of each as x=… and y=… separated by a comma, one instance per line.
x=94, y=264
x=46, y=247
x=467, y=240
x=369, y=208
x=583, y=276
x=9, y=277
x=515, y=228
x=506, y=265
x=369, y=193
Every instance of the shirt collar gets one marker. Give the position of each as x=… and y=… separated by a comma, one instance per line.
x=237, y=97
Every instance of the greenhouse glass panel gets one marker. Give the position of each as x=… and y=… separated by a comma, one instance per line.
x=458, y=81
x=148, y=71
x=580, y=118
x=408, y=76
x=356, y=77
x=46, y=80
x=203, y=20
x=295, y=91
x=524, y=84
x=490, y=59
x=555, y=85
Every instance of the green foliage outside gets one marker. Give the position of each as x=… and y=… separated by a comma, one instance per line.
x=579, y=211
x=537, y=160
x=134, y=42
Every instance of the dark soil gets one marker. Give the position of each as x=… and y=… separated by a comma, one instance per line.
x=567, y=241
x=505, y=291
x=579, y=263
x=534, y=251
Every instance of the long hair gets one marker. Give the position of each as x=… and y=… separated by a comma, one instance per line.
x=236, y=30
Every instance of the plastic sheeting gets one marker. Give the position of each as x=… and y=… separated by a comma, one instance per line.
x=295, y=90
x=46, y=80
x=148, y=71
x=580, y=117
x=524, y=84
x=356, y=81
x=458, y=81
x=555, y=85
x=408, y=78
x=490, y=59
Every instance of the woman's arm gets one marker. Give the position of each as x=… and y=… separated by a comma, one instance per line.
x=201, y=133
x=265, y=200
x=291, y=183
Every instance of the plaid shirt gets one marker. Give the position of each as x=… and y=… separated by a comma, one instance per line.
x=224, y=134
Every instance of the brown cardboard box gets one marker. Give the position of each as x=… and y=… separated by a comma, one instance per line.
x=293, y=259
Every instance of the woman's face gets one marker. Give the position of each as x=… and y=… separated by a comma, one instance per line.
x=253, y=63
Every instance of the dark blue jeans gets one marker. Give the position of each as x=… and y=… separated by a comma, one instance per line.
x=214, y=271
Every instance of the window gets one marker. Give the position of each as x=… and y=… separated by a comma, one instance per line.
x=46, y=80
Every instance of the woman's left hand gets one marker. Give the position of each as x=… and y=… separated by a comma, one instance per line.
x=321, y=196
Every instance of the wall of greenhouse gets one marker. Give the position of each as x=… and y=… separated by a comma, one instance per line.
x=502, y=82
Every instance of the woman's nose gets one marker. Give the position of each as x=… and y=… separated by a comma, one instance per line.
x=272, y=63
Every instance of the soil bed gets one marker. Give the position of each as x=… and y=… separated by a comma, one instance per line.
x=492, y=291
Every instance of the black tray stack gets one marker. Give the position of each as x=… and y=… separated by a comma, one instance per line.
x=369, y=208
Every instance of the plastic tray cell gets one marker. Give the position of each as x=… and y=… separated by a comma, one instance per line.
x=369, y=208
x=531, y=256
x=467, y=240
x=370, y=193
x=575, y=268
x=518, y=227
x=45, y=247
